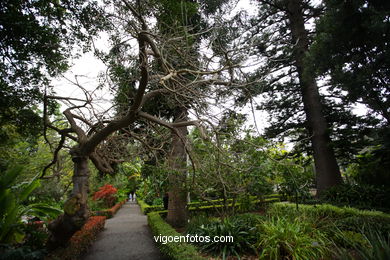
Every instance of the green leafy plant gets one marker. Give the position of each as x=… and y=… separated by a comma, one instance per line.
x=247, y=219
x=12, y=209
x=377, y=248
x=364, y=224
x=243, y=237
x=121, y=195
x=350, y=239
x=358, y=195
x=324, y=211
x=281, y=238
x=36, y=236
x=109, y=213
x=157, y=202
x=21, y=253
x=195, y=222
x=245, y=203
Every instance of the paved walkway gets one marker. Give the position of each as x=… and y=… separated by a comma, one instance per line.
x=126, y=237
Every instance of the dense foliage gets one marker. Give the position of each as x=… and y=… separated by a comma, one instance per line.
x=188, y=77
x=351, y=45
x=310, y=232
x=13, y=209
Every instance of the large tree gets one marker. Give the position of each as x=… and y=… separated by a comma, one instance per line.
x=180, y=29
x=150, y=83
x=287, y=85
x=180, y=19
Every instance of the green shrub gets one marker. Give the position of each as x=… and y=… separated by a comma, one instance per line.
x=195, y=222
x=363, y=196
x=109, y=213
x=246, y=203
x=8, y=252
x=157, y=202
x=269, y=197
x=372, y=166
x=142, y=204
x=122, y=195
x=36, y=236
x=173, y=251
x=378, y=248
x=349, y=239
x=243, y=237
x=324, y=211
x=281, y=238
x=146, y=208
x=330, y=219
x=364, y=224
x=95, y=205
x=14, y=205
x=215, y=209
x=207, y=209
x=248, y=219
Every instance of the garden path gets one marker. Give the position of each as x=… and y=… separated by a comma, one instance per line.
x=126, y=236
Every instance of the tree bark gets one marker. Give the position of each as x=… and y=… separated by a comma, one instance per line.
x=75, y=208
x=177, y=204
x=327, y=170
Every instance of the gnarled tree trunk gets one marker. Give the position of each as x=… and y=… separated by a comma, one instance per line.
x=75, y=208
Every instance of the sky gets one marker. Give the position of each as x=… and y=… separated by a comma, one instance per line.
x=85, y=71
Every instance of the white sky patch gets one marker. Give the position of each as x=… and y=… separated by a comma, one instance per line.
x=85, y=71
x=360, y=109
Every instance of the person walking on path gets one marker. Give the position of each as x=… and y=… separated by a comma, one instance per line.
x=132, y=196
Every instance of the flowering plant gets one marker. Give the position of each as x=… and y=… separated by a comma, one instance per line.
x=107, y=194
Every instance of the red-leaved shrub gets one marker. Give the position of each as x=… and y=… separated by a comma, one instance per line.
x=82, y=239
x=107, y=194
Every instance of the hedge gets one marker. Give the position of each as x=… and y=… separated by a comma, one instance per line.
x=214, y=208
x=219, y=201
x=175, y=251
x=208, y=205
x=327, y=210
x=109, y=213
x=81, y=240
x=146, y=208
